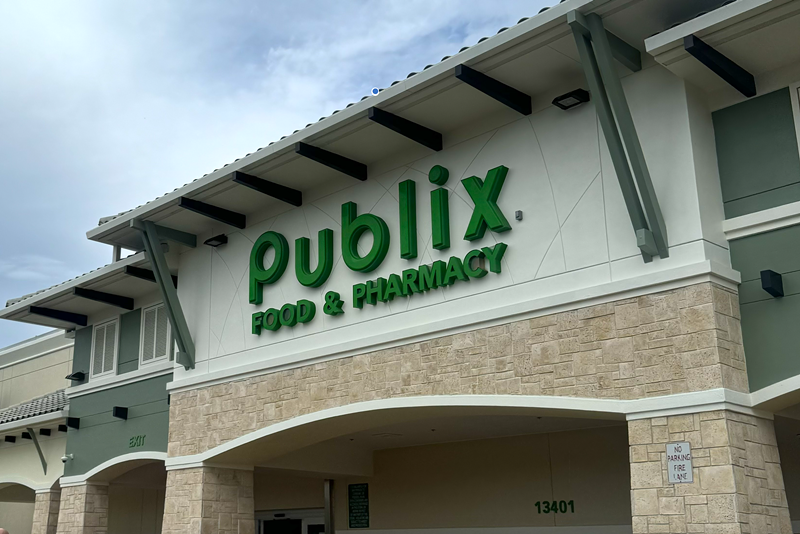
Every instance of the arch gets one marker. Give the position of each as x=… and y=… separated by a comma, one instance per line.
x=8, y=480
x=111, y=469
x=323, y=424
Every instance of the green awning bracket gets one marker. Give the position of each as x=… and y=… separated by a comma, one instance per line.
x=35, y=440
x=152, y=236
x=598, y=49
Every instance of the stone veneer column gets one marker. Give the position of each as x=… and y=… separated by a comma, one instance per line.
x=738, y=485
x=83, y=510
x=45, y=512
x=206, y=500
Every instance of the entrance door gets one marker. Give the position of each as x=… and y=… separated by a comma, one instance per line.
x=311, y=521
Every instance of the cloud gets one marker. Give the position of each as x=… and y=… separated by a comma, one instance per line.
x=110, y=104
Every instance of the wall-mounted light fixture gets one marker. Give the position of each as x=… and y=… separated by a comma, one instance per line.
x=74, y=422
x=216, y=241
x=772, y=283
x=120, y=412
x=77, y=376
x=571, y=99
x=10, y=439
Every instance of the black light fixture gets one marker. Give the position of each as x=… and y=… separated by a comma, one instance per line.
x=10, y=439
x=571, y=99
x=77, y=376
x=74, y=422
x=26, y=435
x=44, y=431
x=62, y=428
x=120, y=412
x=216, y=241
x=772, y=283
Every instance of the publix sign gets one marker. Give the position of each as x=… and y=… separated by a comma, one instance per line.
x=477, y=263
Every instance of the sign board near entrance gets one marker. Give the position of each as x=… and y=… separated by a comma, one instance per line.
x=679, y=463
x=358, y=505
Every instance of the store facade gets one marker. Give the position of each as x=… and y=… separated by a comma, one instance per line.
x=545, y=285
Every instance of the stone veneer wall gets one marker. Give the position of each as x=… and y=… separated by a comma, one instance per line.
x=83, y=510
x=45, y=512
x=687, y=339
x=209, y=499
x=738, y=484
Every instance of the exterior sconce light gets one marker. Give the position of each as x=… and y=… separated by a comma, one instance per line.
x=571, y=99
x=78, y=376
x=216, y=241
x=772, y=283
x=74, y=422
x=119, y=412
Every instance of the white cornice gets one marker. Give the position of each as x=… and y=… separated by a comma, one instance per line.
x=115, y=381
x=762, y=221
x=36, y=421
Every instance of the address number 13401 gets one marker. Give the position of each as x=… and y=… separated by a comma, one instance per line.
x=555, y=507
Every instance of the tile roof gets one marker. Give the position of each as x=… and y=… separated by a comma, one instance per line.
x=104, y=220
x=52, y=402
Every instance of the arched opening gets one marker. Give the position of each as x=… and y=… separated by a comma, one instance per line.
x=16, y=507
x=136, y=487
x=419, y=468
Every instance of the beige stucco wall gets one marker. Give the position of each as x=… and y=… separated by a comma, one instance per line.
x=482, y=483
x=33, y=378
x=20, y=459
x=676, y=341
x=16, y=517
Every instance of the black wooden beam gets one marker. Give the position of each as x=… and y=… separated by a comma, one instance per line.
x=214, y=212
x=281, y=192
x=505, y=94
x=412, y=130
x=145, y=274
x=334, y=161
x=119, y=301
x=68, y=317
x=733, y=74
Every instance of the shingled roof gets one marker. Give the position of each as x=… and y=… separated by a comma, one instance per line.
x=52, y=402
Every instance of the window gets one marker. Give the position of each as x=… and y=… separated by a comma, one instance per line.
x=104, y=348
x=155, y=334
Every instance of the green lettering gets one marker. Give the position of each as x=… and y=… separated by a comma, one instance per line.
x=288, y=315
x=258, y=274
x=455, y=271
x=431, y=276
x=305, y=311
x=394, y=287
x=359, y=294
x=477, y=271
x=438, y=175
x=408, y=219
x=410, y=282
x=302, y=259
x=440, y=219
x=256, y=322
x=487, y=213
x=376, y=290
x=495, y=255
x=271, y=320
x=353, y=227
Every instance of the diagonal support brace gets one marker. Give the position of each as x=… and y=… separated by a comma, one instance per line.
x=154, y=253
x=38, y=449
x=596, y=49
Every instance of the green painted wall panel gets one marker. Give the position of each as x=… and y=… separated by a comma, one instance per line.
x=129, y=325
x=102, y=437
x=82, y=352
x=769, y=325
x=759, y=163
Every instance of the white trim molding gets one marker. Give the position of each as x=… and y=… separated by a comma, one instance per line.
x=28, y=483
x=696, y=402
x=762, y=221
x=36, y=421
x=85, y=478
x=113, y=381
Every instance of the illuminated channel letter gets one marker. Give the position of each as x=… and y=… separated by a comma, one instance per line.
x=353, y=227
x=408, y=219
x=440, y=208
x=484, y=195
x=302, y=259
x=258, y=274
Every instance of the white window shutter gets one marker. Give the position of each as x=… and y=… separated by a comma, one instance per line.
x=148, y=338
x=99, y=346
x=162, y=333
x=110, y=351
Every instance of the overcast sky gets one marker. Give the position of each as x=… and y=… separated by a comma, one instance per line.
x=105, y=105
